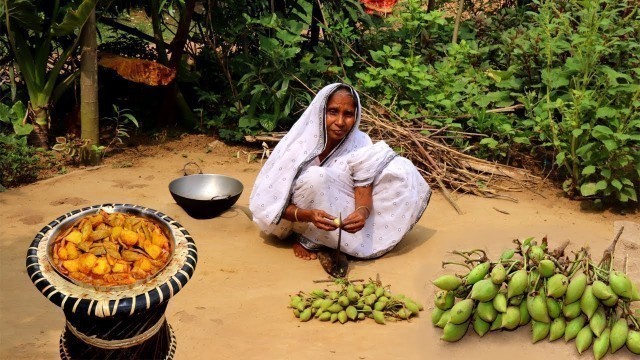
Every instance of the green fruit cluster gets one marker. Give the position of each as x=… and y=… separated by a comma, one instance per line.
x=561, y=297
x=353, y=302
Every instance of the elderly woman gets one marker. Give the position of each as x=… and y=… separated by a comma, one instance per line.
x=326, y=166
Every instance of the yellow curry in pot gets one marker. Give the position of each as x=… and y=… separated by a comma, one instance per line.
x=111, y=249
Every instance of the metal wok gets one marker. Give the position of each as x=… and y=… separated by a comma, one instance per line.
x=204, y=196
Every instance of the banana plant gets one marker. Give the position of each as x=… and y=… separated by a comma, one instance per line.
x=35, y=29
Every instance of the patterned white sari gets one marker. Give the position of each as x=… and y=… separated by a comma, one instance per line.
x=293, y=174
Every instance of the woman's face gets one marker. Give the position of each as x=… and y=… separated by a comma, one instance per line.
x=341, y=115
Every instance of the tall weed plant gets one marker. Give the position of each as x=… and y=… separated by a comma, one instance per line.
x=587, y=104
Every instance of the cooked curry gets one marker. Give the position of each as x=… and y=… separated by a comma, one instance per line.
x=106, y=249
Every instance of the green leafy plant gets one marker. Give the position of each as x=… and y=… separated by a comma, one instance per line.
x=123, y=122
x=19, y=162
x=71, y=147
x=587, y=109
x=34, y=28
x=16, y=117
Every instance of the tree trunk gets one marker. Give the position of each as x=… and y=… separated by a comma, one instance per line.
x=174, y=99
x=157, y=32
x=182, y=34
x=456, y=25
x=316, y=18
x=431, y=5
x=40, y=135
x=89, y=116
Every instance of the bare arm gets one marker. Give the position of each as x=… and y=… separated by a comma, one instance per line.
x=363, y=207
x=319, y=218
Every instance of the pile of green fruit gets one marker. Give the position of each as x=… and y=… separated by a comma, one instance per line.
x=574, y=298
x=353, y=302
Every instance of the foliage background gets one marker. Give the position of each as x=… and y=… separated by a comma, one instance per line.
x=567, y=71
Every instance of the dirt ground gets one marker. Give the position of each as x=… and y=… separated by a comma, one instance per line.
x=235, y=306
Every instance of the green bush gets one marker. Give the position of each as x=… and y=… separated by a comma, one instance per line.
x=19, y=163
x=584, y=94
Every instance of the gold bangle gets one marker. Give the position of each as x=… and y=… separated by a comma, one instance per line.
x=295, y=214
x=366, y=207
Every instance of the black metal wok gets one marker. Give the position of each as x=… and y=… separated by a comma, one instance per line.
x=204, y=196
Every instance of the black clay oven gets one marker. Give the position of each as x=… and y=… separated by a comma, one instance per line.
x=124, y=322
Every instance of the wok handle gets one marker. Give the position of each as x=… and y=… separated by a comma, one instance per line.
x=184, y=168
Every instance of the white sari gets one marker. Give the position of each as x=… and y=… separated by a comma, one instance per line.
x=293, y=174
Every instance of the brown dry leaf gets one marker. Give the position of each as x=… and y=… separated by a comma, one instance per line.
x=138, y=70
x=381, y=6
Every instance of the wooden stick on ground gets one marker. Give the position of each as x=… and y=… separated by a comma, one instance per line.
x=446, y=194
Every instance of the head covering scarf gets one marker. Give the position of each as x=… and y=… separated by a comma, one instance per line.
x=302, y=144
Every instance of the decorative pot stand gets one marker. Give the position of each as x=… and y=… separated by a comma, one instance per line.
x=127, y=323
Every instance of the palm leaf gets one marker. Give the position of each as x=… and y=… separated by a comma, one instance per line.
x=22, y=13
x=74, y=19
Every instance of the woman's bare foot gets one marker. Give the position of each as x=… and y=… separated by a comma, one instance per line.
x=301, y=252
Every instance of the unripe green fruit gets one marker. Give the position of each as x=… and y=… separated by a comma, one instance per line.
x=524, y=314
x=536, y=253
x=500, y=303
x=584, y=339
x=319, y=293
x=601, y=344
x=335, y=308
x=305, y=315
x=352, y=313
x=486, y=311
x=447, y=282
x=478, y=273
x=601, y=290
x=436, y=314
x=498, y=274
x=598, y=322
x=517, y=284
x=576, y=288
x=480, y=326
x=461, y=311
x=507, y=254
x=633, y=341
x=497, y=323
x=557, y=329
x=516, y=300
x=539, y=331
x=334, y=317
x=588, y=302
x=572, y=311
x=620, y=284
x=537, y=307
x=326, y=316
x=573, y=327
x=326, y=303
x=612, y=301
x=454, y=332
x=635, y=293
x=557, y=286
x=554, y=308
x=618, y=335
x=484, y=290
x=546, y=268
x=444, y=319
x=511, y=318
x=378, y=316
x=412, y=307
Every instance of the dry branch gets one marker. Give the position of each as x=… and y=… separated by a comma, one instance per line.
x=440, y=163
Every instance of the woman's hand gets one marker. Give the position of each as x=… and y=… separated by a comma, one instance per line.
x=319, y=218
x=355, y=221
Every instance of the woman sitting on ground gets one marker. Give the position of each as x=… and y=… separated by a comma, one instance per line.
x=326, y=166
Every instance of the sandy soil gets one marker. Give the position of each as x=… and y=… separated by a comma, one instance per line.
x=235, y=306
